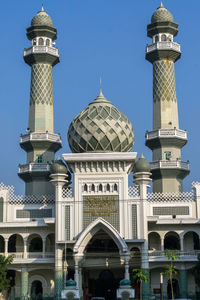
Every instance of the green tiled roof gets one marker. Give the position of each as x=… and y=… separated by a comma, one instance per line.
x=42, y=19
x=162, y=15
x=100, y=127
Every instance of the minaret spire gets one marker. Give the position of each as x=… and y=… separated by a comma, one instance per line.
x=166, y=139
x=161, y=4
x=42, y=9
x=40, y=142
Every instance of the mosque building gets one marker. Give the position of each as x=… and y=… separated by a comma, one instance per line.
x=80, y=229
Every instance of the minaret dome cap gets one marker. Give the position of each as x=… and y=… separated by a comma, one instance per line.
x=100, y=127
x=142, y=165
x=162, y=15
x=42, y=19
x=58, y=167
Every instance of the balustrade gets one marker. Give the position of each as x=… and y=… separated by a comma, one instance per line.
x=41, y=49
x=163, y=46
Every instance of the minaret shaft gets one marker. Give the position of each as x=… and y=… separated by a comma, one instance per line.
x=165, y=110
x=41, y=118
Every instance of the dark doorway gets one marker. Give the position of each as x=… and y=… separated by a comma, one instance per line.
x=36, y=290
x=106, y=285
x=175, y=289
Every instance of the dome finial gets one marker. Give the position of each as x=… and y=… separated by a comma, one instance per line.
x=161, y=4
x=42, y=9
x=100, y=81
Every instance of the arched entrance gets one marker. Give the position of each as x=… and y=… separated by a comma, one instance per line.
x=106, y=285
x=36, y=290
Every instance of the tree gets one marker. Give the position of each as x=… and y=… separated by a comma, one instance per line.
x=170, y=269
x=4, y=281
x=196, y=272
x=140, y=276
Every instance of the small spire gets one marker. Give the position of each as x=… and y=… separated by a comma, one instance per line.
x=142, y=156
x=100, y=81
x=161, y=4
x=42, y=9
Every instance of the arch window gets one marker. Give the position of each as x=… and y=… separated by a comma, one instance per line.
x=163, y=37
x=93, y=188
x=85, y=188
x=108, y=187
x=157, y=38
x=37, y=290
x=41, y=42
x=34, y=42
x=48, y=42
x=100, y=188
x=35, y=245
x=115, y=187
x=172, y=241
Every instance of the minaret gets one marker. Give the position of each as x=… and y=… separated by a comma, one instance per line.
x=166, y=139
x=40, y=142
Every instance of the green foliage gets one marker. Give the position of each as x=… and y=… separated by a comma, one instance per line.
x=196, y=272
x=4, y=281
x=140, y=276
x=170, y=269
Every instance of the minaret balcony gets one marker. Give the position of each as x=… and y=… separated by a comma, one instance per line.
x=156, y=138
x=170, y=164
x=41, y=49
x=29, y=140
x=163, y=50
x=163, y=46
x=28, y=171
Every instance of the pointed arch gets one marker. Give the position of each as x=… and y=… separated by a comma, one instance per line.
x=85, y=237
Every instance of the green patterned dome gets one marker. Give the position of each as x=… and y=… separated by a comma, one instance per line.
x=58, y=167
x=42, y=19
x=70, y=283
x=100, y=127
x=125, y=282
x=162, y=15
x=142, y=165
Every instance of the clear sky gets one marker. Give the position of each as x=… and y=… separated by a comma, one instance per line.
x=97, y=38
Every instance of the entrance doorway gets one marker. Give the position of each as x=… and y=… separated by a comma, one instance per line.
x=175, y=288
x=36, y=290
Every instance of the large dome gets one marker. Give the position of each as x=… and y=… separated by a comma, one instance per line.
x=42, y=19
x=100, y=127
x=162, y=15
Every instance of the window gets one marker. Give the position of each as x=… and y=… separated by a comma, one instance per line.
x=47, y=42
x=108, y=187
x=34, y=42
x=167, y=155
x=93, y=188
x=41, y=42
x=39, y=159
x=115, y=187
x=163, y=38
x=157, y=38
x=100, y=188
x=85, y=188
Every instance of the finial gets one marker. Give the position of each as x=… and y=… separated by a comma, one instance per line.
x=161, y=4
x=100, y=81
x=42, y=9
x=142, y=156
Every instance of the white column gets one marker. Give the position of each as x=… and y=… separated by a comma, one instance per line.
x=162, y=244
x=182, y=244
x=25, y=248
x=127, y=275
x=80, y=282
x=43, y=247
x=76, y=275
x=6, y=246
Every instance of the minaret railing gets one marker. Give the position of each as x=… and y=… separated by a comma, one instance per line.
x=37, y=136
x=170, y=164
x=41, y=49
x=163, y=46
x=166, y=133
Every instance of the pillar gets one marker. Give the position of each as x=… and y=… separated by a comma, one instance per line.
x=162, y=244
x=183, y=283
x=43, y=247
x=6, y=246
x=24, y=284
x=145, y=268
x=58, y=273
x=80, y=282
x=182, y=244
x=126, y=266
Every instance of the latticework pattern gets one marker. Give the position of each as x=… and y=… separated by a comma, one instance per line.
x=67, y=193
x=162, y=15
x=42, y=18
x=101, y=127
x=164, y=88
x=32, y=199
x=171, y=197
x=41, y=84
x=133, y=191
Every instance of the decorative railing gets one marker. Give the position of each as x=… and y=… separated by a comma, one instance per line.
x=133, y=191
x=33, y=167
x=163, y=46
x=179, y=254
x=36, y=136
x=171, y=197
x=31, y=255
x=41, y=49
x=170, y=164
x=67, y=193
x=166, y=133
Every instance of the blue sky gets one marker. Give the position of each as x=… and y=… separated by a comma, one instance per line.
x=97, y=38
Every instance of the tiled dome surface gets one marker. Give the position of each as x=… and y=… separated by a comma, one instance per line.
x=100, y=127
x=42, y=19
x=162, y=15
